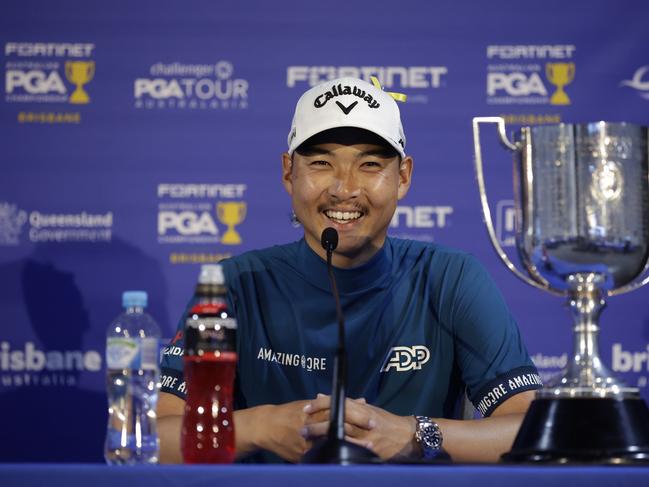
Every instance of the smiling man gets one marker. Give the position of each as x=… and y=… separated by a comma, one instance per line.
x=425, y=323
x=348, y=179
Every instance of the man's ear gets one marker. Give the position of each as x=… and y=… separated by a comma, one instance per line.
x=405, y=176
x=287, y=171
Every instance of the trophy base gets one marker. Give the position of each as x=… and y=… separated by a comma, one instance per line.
x=583, y=430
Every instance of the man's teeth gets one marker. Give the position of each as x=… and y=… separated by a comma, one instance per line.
x=343, y=215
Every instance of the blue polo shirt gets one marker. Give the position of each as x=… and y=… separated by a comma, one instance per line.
x=423, y=322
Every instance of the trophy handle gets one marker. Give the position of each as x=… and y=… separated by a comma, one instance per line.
x=571, y=72
x=91, y=70
x=631, y=286
x=486, y=211
x=243, y=210
x=68, y=70
x=548, y=72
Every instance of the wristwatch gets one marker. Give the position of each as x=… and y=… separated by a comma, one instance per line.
x=428, y=436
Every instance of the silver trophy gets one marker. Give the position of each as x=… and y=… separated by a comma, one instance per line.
x=582, y=232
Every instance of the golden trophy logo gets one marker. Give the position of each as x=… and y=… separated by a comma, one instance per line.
x=560, y=75
x=79, y=73
x=231, y=213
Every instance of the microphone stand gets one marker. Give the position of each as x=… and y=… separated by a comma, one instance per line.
x=334, y=448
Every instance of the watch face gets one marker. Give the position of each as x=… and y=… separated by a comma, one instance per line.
x=431, y=437
x=428, y=435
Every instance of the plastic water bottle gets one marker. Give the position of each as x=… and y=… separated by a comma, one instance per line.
x=132, y=383
x=210, y=359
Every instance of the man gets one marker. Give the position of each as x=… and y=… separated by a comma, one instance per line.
x=424, y=323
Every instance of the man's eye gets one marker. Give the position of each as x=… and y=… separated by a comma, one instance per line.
x=318, y=163
x=372, y=164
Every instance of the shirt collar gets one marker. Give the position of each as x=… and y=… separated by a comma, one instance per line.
x=368, y=275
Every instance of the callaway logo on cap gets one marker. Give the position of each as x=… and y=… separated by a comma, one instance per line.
x=348, y=102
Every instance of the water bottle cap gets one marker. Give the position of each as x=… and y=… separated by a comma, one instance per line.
x=134, y=299
x=211, y=274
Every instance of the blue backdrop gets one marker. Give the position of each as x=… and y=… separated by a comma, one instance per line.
x=135, y=134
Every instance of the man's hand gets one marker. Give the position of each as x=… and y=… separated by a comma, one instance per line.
x=392, y=436
x=281, y=428
x=388, y=435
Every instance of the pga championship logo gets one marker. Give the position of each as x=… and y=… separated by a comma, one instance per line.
x=188, y=215
x=191, y=86
x=38, y=72
x=403, y=359
x=530, y=74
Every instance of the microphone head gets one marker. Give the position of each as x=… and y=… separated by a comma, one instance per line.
x=329, y=239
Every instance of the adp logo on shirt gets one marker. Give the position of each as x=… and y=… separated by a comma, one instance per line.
x=404, y=358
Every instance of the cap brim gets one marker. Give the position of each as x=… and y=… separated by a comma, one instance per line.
x=297, y=142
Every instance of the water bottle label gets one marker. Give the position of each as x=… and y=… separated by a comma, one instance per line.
x=132, y=353
x=120, y=352
x=149, y=353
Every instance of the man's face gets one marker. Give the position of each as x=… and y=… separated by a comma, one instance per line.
x=353, y=188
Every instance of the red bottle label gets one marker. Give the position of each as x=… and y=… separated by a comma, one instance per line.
x=210, y=361
x=208, y=427
x=212, y=308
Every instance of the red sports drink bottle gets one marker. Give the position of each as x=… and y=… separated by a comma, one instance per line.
x=209, y=363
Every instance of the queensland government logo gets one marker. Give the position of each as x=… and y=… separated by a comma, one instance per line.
x=46, y=226
x=632, y=362
x=12, y=220
x=188, y=213
x=549, y=366
x=530, y=74
x=639, y=82
x=416, y=81
x=191, y=86
x=48, y=72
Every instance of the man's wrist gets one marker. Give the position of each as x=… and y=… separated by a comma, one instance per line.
x=260, y=416
x=247, y=429
x=428, y=437
x=410, y=448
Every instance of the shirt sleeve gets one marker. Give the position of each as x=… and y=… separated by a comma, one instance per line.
x=492, y=357
x=172, y=379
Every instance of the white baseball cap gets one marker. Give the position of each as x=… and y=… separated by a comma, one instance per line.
x=347, y=102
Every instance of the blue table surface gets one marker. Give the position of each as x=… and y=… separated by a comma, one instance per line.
x=73, y=475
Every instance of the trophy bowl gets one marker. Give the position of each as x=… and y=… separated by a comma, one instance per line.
x=582, y=231
x=231, y=213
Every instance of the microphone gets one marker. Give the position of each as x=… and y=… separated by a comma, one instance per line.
x=334, y=448
x=329, y=241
